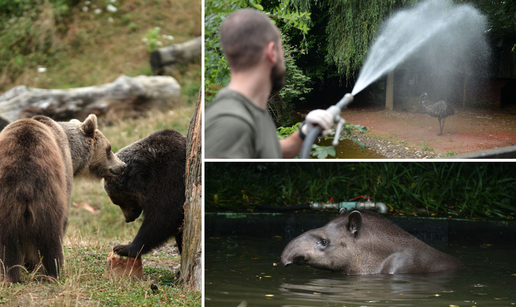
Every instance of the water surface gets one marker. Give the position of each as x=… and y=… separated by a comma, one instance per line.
x=247, y=271
x=347, y=149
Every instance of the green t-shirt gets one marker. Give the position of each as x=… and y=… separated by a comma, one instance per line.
x=237, y=129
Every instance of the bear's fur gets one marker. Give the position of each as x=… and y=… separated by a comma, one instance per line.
x=38, y=160
x=153, y=182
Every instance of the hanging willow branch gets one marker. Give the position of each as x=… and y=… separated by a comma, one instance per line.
x=352, y=27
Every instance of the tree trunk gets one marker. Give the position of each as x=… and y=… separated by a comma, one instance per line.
x=389, y=91
x=464, y=93
x=125, y=97
x=191, y=258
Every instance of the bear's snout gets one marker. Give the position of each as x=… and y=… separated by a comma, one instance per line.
x=119, y=170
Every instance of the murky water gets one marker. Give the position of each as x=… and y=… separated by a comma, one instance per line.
x=347, y=149
x=246, y=271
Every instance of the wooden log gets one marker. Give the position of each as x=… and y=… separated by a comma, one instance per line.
x=123, y=98
x=163, y=60
x=191, y=258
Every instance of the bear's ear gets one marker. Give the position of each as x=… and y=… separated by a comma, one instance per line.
x=89, y=126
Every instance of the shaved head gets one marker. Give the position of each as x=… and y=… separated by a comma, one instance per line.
x=243, y=36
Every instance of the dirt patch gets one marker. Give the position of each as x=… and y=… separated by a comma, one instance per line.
x=467, y=131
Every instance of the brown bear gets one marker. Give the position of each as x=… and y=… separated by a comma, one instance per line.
x=38, y=160
x=153, y=182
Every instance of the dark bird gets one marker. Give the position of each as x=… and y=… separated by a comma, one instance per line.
x=440, y=109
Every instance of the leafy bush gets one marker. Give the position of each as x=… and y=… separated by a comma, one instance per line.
x=29, y=34
x=457, y=189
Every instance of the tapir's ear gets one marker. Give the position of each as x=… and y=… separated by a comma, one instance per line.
x=89, y=126
x=354, y=222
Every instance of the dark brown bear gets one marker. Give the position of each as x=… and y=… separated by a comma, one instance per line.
x=153, y=182
x=38, y=160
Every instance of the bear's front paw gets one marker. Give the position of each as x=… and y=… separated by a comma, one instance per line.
x=125, y=250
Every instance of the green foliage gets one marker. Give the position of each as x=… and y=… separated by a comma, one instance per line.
x=281, y=104
x=152, y=39
x=321, y=152
x=217, y=73
x=501, y=15
x=283, y=132
x=458, y=189
x=28, y=35
x=352, y=27
x=17, y=8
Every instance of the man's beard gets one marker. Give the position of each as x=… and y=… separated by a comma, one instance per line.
x=277, y=77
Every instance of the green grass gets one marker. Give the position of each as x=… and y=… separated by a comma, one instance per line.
x=456, y=189
x=84, y=284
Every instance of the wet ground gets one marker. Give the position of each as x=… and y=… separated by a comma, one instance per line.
x=414, y=135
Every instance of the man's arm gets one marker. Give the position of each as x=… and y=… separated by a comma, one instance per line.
x=291, y=145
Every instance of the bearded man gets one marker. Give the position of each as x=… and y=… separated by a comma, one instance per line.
x=238, y=124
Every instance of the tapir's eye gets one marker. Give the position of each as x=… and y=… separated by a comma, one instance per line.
x=323, y=242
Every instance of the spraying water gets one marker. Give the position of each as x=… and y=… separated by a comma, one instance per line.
x=444, y=34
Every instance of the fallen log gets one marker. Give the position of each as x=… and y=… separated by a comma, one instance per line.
x=163, y=60
x=126, y=97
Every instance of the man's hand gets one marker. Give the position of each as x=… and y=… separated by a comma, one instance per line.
x=319, y=117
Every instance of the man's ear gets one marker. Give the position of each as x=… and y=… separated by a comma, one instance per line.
x=271, y=52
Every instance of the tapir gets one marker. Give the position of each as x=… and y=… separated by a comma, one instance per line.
x=363, y=242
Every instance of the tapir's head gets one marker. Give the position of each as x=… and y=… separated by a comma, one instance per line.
x=332, y=247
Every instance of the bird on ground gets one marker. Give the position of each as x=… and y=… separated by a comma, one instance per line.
x=440, y=109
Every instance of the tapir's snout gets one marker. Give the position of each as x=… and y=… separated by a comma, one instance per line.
x=285, y=260
x=291, y=255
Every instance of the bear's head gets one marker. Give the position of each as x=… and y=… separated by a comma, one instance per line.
x=129, y=190
x=91, y=151
x=129, y=203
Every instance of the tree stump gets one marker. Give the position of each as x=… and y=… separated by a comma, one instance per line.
x=126, y=97
x=163, y=60
x=191, y=258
